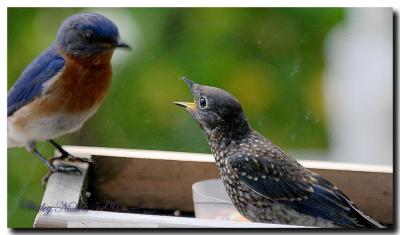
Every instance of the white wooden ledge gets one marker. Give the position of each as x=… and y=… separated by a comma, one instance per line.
x=202, y=157
x=163, y=180
x=102, y=219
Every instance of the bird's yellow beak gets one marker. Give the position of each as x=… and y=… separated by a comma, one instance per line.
x=187, y=105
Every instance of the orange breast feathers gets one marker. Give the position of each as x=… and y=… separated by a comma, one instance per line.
x=81, y=86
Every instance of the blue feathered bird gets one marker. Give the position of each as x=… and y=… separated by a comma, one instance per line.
x=64, y=86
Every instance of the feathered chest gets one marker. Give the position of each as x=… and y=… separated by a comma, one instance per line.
x=79, y=87
x=221, y=156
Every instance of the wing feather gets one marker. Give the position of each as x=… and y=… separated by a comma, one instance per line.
x=286, y=181
x=30, y=84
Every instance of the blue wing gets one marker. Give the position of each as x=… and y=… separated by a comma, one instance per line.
x=330, y=203
x=286, y=181
x=30, y=83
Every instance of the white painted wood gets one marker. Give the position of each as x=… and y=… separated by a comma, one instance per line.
x=63, y=191
x=67, y=188
x=102, y=219
x=201, y=157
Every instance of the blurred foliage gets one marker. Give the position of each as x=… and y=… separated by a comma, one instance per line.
x=271, y=59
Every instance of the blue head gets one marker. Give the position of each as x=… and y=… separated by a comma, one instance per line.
x=87, y=34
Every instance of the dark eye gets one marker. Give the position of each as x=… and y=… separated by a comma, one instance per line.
x=89, y=37
x=203, y=102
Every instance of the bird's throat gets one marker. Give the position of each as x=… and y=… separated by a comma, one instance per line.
x=225, y=134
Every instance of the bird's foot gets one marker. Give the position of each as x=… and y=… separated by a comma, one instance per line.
x=66, y=169
x=65, y=156
x=62, y=168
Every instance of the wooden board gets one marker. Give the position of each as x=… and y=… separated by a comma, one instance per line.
x=63, y=192
x=163, y=180
x=102, y=219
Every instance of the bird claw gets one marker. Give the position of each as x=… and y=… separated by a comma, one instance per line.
x=72, y=158
x=81, y=159
x=62, y=169
x=66, y=155
x=67, y=169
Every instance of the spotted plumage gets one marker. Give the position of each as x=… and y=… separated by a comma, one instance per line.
x=263, y=182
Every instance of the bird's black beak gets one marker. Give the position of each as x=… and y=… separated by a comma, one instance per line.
x=188, y=82
x=190, y=106
x=122, y=44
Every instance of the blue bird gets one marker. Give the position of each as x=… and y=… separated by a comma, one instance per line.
x=263, y=182
x=63, y=86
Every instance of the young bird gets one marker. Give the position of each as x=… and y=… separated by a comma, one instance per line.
x=263, y=182
x=63, y=86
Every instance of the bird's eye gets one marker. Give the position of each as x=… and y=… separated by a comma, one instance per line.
x=89, y=37
x=203, y=102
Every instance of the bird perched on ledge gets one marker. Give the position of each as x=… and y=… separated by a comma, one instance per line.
x=263, y=182
x=63, y=86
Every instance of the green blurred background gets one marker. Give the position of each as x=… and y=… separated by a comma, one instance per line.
x=271, y=59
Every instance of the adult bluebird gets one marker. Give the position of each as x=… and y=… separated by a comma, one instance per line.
x=63, y=86
x=263, y=182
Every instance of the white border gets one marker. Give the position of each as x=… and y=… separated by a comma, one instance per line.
x=3, y=118
x=148, y=3
x=203, y=3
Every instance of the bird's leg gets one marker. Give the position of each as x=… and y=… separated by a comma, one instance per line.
x=66, y=155
x=61, y=168
x=50, y=166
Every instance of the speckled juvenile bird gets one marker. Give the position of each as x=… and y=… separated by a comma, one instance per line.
x=63, y=86
x=263, y=182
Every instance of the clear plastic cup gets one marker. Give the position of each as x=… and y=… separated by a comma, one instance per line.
x=212, y=202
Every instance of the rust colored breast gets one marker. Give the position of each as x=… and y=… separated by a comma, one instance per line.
x=81, y=85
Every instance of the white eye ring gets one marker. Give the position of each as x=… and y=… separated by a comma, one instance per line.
x=203, y=103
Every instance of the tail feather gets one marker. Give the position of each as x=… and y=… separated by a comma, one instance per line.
x=367, y=221
x=338, y=207
x=363, y=219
